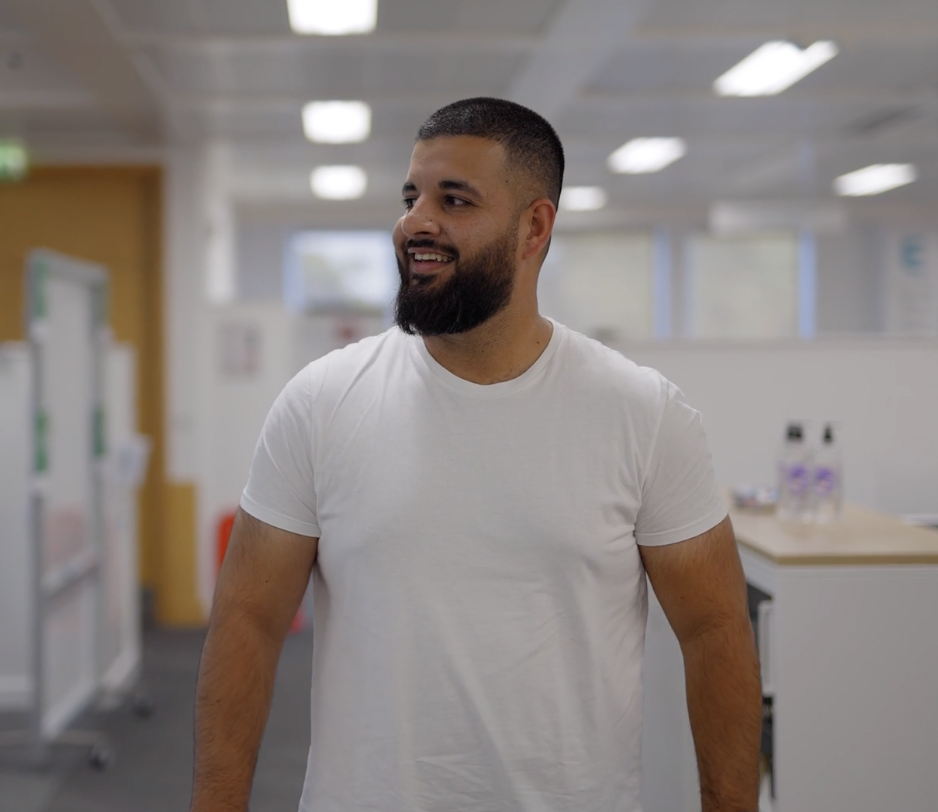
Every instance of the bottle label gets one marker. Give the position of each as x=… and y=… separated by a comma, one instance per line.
x=798, y=479
x=825, y=480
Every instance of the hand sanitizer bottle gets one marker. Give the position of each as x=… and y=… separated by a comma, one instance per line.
x=794, y=477
x=827, y=479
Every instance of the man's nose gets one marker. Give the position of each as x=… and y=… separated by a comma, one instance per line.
x=419, y=219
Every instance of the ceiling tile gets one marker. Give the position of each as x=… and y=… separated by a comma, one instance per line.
x=26, y=67
x=497, y=16
x=163, y=17
x=460, y=75
x=242, y=16
x=218, y=17
x=653, y=67
x=9, y=23
x=790, y=14
x=525, y=17
x=662, y=66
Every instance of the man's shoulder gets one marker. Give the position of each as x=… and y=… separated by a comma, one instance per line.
x=605, y=369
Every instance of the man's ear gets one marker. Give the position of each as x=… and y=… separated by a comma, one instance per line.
x=537, y=223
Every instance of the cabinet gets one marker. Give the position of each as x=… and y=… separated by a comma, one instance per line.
x=852, y=659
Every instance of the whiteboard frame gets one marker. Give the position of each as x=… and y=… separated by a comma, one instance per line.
x=48, y=723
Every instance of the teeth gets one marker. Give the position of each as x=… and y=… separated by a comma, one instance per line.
x=431, y=258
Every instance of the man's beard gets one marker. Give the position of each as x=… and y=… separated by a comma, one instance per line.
x=478, y=288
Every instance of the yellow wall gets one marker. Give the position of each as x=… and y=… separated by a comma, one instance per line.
x=113, y=216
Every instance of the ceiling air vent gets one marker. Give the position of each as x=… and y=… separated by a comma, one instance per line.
x=883, y=120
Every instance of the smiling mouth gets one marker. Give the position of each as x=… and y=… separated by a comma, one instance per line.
x=426, y=257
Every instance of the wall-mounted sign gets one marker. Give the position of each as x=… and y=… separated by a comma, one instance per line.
x=912, y=283
x=240, y=346
x=14, y=160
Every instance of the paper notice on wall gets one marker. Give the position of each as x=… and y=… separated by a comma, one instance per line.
x=240, y=349
x=912, y=283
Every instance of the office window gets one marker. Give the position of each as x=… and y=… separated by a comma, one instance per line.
x=339, y=271
x=742, y=287
x=600, y=284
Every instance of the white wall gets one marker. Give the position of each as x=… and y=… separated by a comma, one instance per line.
x=185, y=217
x=236, y=399
x=882, y=393
x=259, y=258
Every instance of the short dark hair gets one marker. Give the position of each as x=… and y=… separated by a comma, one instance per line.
x=530, y=142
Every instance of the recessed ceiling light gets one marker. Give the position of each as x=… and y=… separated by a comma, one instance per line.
x=773, y=67
x=875, y=179
x=641, y=155
x=337, y=122
x=338, y=182
x=333, y=17
x=582, y=198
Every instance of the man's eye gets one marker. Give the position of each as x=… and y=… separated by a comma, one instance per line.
x=408, y=203
x=456, y=201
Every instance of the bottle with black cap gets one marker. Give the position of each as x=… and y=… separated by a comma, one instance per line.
x=794, y=477
x=827, y=478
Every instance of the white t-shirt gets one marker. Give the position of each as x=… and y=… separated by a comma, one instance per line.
x=479, y=599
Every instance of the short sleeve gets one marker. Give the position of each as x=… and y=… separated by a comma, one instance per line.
x=680, y=495
x=280, y=490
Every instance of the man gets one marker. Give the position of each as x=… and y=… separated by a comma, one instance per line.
x=478, y=494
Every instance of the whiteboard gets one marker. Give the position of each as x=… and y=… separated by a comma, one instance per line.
x=67, y=334
x=882, y=392
x=120, y=648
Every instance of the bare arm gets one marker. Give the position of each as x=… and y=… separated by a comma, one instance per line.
x=702, y=589
x=259, y=590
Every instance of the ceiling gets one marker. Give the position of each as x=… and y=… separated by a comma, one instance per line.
x=121, y=79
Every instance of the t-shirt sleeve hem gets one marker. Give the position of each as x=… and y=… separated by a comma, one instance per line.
x=716, y=515
x=278, y=520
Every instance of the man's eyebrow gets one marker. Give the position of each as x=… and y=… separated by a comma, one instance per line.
x=460, y=186
x=446, y=185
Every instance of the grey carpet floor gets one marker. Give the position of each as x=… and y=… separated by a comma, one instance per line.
x=153, y=767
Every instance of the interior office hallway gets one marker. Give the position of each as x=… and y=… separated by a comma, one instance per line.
x=153, y=767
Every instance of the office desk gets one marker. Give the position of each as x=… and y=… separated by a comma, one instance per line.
x=851, y=660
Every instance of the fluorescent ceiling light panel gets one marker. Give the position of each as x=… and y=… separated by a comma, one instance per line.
x=875, y=179
x=582, y=198
x=338, y=182
x=641, y=155
x=773, y=67
x=333, y=17
x=337, y=122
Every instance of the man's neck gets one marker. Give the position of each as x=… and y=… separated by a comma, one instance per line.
x=500, y=350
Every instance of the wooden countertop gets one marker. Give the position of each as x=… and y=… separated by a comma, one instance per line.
x=860, y=537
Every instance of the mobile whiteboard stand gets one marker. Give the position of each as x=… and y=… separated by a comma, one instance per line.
x=68, y=337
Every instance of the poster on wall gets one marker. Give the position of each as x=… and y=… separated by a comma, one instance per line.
x=240, y=349
x=912, y=283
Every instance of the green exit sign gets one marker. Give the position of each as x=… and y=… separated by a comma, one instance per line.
x=14, y=160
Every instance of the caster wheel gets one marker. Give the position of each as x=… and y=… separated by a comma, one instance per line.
x=143, y=706
x=101, y=757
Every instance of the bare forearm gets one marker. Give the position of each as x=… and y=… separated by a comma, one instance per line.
x=233, y=697
x=724, y=700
